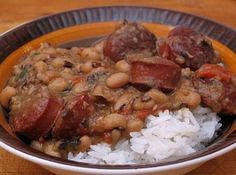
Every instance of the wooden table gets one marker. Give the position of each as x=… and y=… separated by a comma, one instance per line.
x=13, y=12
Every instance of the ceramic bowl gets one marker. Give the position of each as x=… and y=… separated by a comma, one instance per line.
x=82, y=27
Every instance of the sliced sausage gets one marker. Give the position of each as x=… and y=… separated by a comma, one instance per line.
x=35, y=113
x=155, y=72
x=216, y=88
x=129, y=38
x=188, y=48
x=73, y=122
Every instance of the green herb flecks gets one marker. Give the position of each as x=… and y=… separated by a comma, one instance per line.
x=22, y=74
x=69, y=87
x=64, y=93
x=35, y=53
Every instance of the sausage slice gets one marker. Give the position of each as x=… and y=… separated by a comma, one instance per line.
x=188, y=48
x=73, y=122
x=34, y=113
x=129, y=38
x=155, y=72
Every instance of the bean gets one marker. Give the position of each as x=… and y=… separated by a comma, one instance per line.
x=41, y=66
x=122, y=101
x=108, y=122
x=85, y=143
x=86, y=67
x=50, y=148
x=39, y=57
x=114, y=120
x=52, y=74
x=62, y=51
x=103, y=91
x=43, y=77
x=58, y=85
x=90, y=65
x=115, y=134
x=158, y=96
x=6, y=94
x=186, y=72
x=122, y=66
x=50, y=51
x=17, y=70
x=135, y=125
x=117, y=80
x=67, y=73
x=143, y=103
x=79, y=87
x=90, y=53
x=75, y=50
x=99, y=47
x=58, y=62
x=78, y=67
x=37, y=145
x=188, y=97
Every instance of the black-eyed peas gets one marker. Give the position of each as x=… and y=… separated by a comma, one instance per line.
x=158, y=96
x=103, y=91
x=86, y=67
x=114, y=120
x=41, y=66
x=90, y=53
x=67, y=73
x=58, y=85
x=135, y=125
x=117, y=80
x=51, y=148
x=6, y=94
x=109, y=122
x=116, y=135
x=79, y=87
x=85, y=142
x=123, y=101
x=122, y=66
x=187, y=97
x=58, y=62
x=37, y=145
x=99, y=47
x=143, y=102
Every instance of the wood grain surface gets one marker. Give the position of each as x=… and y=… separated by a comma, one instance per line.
x=14, y=12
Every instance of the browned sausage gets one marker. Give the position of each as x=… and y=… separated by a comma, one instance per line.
x=129, y=38
x=73, y=122
x=155, y=72
x=214, y=84
x=35, y=114
x=188, y=48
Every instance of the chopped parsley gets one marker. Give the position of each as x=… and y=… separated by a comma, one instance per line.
x=21, y=75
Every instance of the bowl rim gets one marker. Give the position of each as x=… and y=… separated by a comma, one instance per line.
x=137, y=170
x=225, y=148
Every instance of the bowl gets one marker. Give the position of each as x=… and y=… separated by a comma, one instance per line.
x=84, y=26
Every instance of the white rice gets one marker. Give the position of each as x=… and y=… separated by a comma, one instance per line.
x=170, y=135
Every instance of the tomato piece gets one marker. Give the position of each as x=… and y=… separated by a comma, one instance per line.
x=142, y=114
x=73, y=120
x=77, y=79
x=214, y=84
x=214, y=71
x=107, y=137
x=155, y=72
